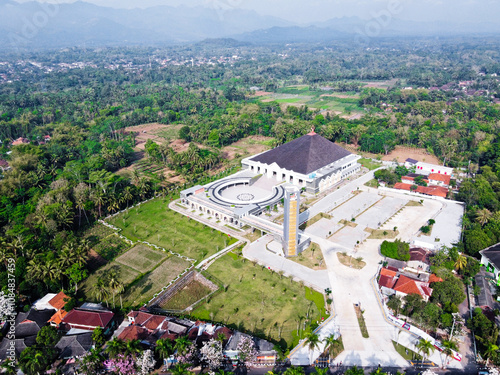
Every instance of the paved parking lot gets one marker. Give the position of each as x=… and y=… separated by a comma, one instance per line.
x=355, y=206
x=380, y=212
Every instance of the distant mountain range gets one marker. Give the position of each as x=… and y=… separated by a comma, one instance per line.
x=32, y=25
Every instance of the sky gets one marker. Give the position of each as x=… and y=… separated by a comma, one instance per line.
x=310, y=11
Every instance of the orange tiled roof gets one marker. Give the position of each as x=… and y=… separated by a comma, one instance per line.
x=58, y=300
x=434, y=279
x=402, y=186
x=407, y=286
x=387, y=272
x=440, y=177
x=58, y=317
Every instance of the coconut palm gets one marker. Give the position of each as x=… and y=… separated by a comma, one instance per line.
x=182, y=344
x=448, y=348
x=180, y=369
x=491, y=351
x=115, y=347
x=164, y=348
x=312, y=342
x=100, y=290
x=34, y=270
x=120, y=288
x=51, y=270
x=354, y=371
x=127, y=195
x=483, y=216
x=321, y=371
x=292, y=370
x=132, y=347
x=461, y=262
x=113, y=282
x=332, y=343
x=425, y=347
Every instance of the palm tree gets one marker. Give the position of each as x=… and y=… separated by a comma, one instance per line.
x=127, y=195
x=461, y=262
x=321, y=371
x=182, y=344
x=132, y=347
x=180, y=369
x=51, y=270
x=332, y=343
x=491, y=351
x=113, y=282
x=32, y=361
x=164, y=348
x=100, y=290
x=113, y=204
x=448, y=348
x=34, y=270
x=312, y=342
x=292, y=370
x=483, y=216
x=115, y=347
x=99, y=200
x=120, y=288
x=425, y=347
x=354, y=371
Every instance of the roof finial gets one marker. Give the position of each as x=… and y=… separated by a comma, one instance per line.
x=312, y=131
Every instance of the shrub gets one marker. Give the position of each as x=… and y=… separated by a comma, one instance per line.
x=396, y=250
x=425, y=229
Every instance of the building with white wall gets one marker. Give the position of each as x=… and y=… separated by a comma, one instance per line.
x=311, y=162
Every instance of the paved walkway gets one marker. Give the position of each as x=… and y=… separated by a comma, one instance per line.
x=258, y=252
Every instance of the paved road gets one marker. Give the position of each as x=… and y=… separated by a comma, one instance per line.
x=257, y=251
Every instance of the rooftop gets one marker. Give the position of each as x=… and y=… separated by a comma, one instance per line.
x=303, y=155
x=493, y=254
x=74, y=346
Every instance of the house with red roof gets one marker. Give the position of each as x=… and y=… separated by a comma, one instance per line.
x=436, y=191
x=439, y=179
x=87, y=319
x=419, y=259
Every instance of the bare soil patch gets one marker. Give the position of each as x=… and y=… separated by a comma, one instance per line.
x=251, y=145
x=261, y=93
x=401, y=153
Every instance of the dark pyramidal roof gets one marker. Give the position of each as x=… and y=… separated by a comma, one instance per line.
x=493, y=254
x=304, y=155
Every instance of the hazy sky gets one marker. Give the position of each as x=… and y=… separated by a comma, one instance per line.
x=303, y=11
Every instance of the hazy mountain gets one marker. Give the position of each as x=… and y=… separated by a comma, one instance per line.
x=32, y=24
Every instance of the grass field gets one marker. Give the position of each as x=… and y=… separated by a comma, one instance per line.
x=188, y=295
x=154, y=222
x=260, y=301
x=369, y=163
x=144, y=289
x=141, y=258
x=125, y=274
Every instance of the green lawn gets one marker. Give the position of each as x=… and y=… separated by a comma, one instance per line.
x=188, y=295
x=142, y=258
x=154, y=222
x=369, y=163
x=126, y=276
x=311, y=257
x=144, y=289
x=260, y=301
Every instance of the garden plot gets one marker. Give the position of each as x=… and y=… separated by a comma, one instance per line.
x=141, y=258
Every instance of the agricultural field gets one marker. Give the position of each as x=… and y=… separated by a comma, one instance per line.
x=260, y=301
x=142, y=258
x=144, y=289
x=338, y=103
x=125, y=275
x=154, y=222
x=188, y=295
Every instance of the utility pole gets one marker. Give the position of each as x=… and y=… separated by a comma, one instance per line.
x=453, y=325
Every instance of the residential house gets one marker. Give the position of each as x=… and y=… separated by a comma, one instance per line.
x=74, y=346
x=436, y=191
x=28, y=324
x=419, y=259
x=485, y=298
x=20, y=141
x=439, y=179
x=404, y=282
x=427, y=168
x=87, y=320
x=56, y=302
x=265, y=350
x=490, y=258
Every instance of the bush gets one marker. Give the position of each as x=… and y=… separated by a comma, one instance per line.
x=396, y=250
x=425, y=229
